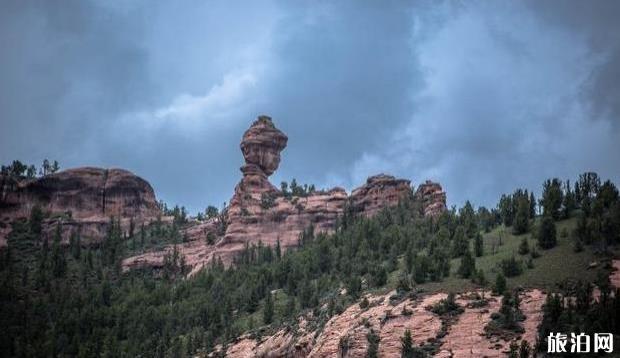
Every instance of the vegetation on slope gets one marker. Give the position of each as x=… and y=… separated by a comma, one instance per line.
x=74, y=300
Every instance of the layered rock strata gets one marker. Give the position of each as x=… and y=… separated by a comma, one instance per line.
x=465, y=338
x=258, y=211
x=81, y=199
x=431, y=197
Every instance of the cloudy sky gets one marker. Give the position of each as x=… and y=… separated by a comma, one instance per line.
x=482, y=96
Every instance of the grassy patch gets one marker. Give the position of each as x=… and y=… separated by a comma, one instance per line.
x=553, y=266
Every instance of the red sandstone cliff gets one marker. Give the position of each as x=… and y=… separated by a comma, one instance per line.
x=464, y=337
x=258, y=211
x=85, y=198
x=432, y=198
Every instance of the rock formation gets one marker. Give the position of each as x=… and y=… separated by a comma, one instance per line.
x=378, y=192
x=432, y=198
x=464, y=338
x=258, y=211
x=84, y=198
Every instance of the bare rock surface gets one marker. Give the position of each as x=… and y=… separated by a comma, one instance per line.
x=432, y=198
x=379, y=191
x=259, y=212
x=85, y=198
x=387, y=320
x=466, y=338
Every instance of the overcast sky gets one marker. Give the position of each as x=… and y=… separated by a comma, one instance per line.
x=482, y=96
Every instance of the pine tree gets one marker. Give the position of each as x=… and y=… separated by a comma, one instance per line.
x=468, y=219
x=278, y=250
x=460, y=242
x=524, y=247
x=406, y=349
x=505, y=207
x=289, y=310
x=35, y=221
x=525, y=349
x=500, y=284
x=547, y=233
x=268, y=311
x=59, y=262
x=373, y=344
x=552, y=198
x=468, y=265
x=521, y=221
x=514, y=350
x=532, y=203
x=479, y=245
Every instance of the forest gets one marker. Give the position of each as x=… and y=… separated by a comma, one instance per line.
x=75, y=300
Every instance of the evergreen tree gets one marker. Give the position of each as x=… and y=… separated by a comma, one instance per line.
x=289, y=309
x=547, y=233
x=354, y=286
x=569, y=203
x=211, y=212
x=586, y=188
x=35, y=221
x=479, y=245
x=505, y=208
x=460, y=242
x=468, y=265
x=532, y=203
x=525, y=349
x=513, y=351
x=524, y=247
x=59, y=262
x=278, y=250
x=76, y=248
x=552, y=198
x=467, y=218
x=406, y=349
x=373, y=344
x=521, y=220
x=268, y=311
x=500, y=284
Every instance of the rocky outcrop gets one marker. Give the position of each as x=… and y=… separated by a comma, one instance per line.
x=260, y=212
x=378, y=192
x=467, y=339
x=432, y=198
x=261, y=145
x=464, y=337
x=84, y=198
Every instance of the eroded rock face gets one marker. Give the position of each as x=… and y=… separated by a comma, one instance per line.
x=258, y=211
x=261, y=145
x=465, y=338
x=351, y=326
x=87, y=198
x=432, y=198
x=378, y=192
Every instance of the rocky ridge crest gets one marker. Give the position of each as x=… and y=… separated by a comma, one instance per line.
x=259, y=212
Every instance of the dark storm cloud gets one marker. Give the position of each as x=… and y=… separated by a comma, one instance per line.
x=481, y=96
x=508, y=102
x=66, y=70
x=345, y=81
x=597, y=22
